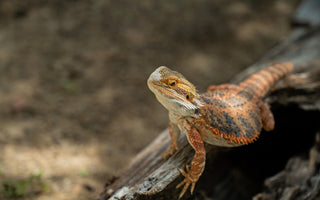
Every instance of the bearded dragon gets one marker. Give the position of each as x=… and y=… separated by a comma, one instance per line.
x=226, y=115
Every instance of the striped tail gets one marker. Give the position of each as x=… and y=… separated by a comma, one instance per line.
x=260, y=82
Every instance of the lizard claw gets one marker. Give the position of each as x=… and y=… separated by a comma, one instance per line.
x=186, y=182
x=165, y=155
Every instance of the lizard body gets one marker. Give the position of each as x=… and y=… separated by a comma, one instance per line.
x=226, y=115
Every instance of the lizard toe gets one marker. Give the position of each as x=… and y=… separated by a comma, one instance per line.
x=186, y=182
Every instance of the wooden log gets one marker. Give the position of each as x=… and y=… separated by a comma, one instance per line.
x=238, y=173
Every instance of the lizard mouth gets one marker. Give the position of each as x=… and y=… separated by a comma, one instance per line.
x=160, y=89
x=172, y=100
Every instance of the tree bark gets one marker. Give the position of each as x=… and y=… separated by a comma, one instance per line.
x=291, y=151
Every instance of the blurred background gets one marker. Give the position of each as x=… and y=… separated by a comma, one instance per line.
x=74, y=104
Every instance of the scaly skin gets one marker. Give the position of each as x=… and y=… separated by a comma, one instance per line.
x=226, y=115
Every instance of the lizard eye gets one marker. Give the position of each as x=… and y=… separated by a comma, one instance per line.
x=172, y=82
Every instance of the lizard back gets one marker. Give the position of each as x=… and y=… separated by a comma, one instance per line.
x=231, y=117
x=234, y=112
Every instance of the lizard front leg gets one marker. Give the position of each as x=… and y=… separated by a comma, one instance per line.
x=174, y=135
x=198, y=163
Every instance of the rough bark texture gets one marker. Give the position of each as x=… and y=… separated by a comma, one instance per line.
x=289, y=155
x=299, y=180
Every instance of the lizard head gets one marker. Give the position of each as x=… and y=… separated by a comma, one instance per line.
x=174, y=92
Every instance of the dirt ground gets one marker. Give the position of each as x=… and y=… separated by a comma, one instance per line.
x=74, y=105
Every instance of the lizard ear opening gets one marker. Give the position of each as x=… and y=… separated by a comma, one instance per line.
x=196, y=111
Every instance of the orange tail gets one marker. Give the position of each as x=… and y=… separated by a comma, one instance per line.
x=261, y=82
